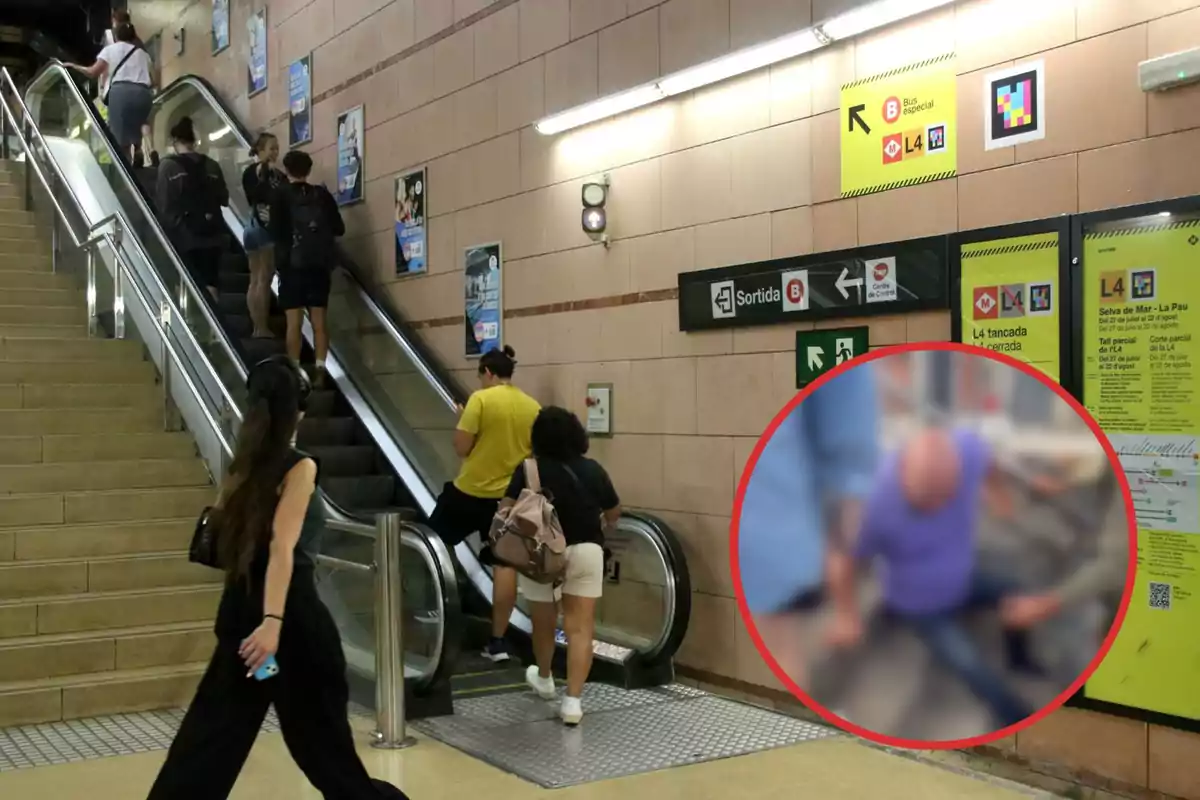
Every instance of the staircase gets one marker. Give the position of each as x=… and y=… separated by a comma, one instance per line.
x=100, y=611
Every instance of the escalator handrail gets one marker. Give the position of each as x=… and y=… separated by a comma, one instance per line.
x=139, y=197
x=663, y=539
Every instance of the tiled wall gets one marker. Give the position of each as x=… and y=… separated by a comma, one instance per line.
x=737, y=172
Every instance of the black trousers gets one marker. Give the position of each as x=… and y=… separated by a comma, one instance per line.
x=310, y=695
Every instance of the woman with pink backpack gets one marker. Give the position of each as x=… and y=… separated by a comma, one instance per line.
x=586, y=504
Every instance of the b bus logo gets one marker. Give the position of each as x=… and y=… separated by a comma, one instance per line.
x=1123, y=286
x=1012, y=300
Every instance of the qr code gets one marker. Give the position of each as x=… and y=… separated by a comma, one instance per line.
x=1160, y=596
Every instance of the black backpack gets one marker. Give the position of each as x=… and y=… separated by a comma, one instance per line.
x=313, y=242
x=199, y=205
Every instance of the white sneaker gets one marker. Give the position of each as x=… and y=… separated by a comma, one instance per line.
x=571, y=711
x=543, y=686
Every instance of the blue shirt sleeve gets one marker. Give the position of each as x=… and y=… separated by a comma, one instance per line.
x=843, y=420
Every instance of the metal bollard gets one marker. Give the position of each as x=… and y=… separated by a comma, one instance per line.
x=389, y=644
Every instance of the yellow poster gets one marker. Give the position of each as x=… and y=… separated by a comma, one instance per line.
x=1140, y=337
x=900, y=128
x=1010, y=298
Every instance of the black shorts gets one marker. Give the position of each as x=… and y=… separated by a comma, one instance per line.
x=304, y=288
x=458, y=515
x=204, y=265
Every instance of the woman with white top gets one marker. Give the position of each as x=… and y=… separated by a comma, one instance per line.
x=130, y=94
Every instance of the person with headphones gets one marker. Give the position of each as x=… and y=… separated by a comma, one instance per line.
x=277, y=643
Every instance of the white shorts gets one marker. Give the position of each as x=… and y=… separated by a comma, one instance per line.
x=585, y=576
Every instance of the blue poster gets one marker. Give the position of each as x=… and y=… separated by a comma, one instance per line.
x=410, y=223
x=300, y=101
x=220, y=25
x=350, y=135
x=482, y=266
x=256, y=70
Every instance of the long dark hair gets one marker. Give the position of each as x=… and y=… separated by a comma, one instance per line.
x=276, y=390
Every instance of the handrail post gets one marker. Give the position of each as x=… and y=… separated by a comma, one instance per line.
x=93, y=320
x=389, y=645
x=118, y=299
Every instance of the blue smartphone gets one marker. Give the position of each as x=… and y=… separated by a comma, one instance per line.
x=269, y=669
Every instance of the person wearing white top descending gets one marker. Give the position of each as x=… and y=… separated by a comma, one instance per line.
x=126, y=70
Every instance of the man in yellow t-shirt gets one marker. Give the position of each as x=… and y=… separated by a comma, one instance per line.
x=492, y=439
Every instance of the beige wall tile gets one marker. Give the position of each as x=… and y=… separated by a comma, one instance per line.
x=489, y=171
x=476, y=114
x=696, y=185
x=1110, y=746
x=928, y=209
x=465, y=8
x=736, y=395
x=347, y=13
x=707, y=343
x=972, y=157
x=662, y=398
x=989, y=32
x=825, y=133
x=768, y=339
x=1138, y=172
x=791, y=90
x=632, y=332
x=705, y=542
x=302, y=33
x=443, y=250
x=756, y=21
x=638, y=6
x=1172, y=756
x=1094, y=17
x=743, y=240
x=569, y=275
x=433, y=16
x=656, y=261
x=634, y=200
x=698, y=473
x=545, y=25
x=636, y=466
x=831, y=67
x=733, y=107
x=589, y=16
x=835, y=225
x=454, y=62
x=521, y=95
x=749, y=664
x=497, y=42
x=1178, y=109
x=792, y=232
x=1094, y=78
x=629, y=53
x=904, y=43
x=930, y=326
x=771, y=169
x=1032, y=190
x=693, y=31
x=708, y=645
x=572, y=75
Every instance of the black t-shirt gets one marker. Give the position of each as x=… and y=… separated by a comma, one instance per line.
x=579, y=499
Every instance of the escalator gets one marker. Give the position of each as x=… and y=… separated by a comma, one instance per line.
x=382, y=428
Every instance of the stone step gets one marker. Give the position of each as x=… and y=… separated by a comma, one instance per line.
x=19, y=232
x=73, y=396
x=97, y=611
x=22, y=217
x=33, y=279
x=35, y=258
x=72, y=508
x=51, y=421
x=57, y=296
x=96, y=540
x=75, y=330
x=69, y=349
x=78, y=372
x=41, y=315
x=21, y=579
x=36, y=658
x=98, y=694
x=95, y=448
x=16, y=242
x=87, y=476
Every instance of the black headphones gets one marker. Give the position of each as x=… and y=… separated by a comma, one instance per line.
x=303, y=384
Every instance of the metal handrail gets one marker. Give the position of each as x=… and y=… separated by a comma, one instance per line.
x=136, y=193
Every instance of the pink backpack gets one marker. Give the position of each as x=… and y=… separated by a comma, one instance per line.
x=527, y=535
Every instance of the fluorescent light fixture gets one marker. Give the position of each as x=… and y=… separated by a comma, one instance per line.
x=219, y=134
x=600, y=109
x=741, y=62
x=1164, y=213
x=876, y=15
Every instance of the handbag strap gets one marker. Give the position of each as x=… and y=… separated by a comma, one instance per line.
x=533, y=481
x=112, y=77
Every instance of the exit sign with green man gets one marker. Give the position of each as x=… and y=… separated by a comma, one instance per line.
x=817, y=352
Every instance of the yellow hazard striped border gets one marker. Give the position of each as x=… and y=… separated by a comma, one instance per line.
x=899, y=71
x=883, y=187
x=1024, y=247
x=1140, y=229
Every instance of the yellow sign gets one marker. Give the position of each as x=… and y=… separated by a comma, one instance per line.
x=1140, y=380
x=1010, y=298
x=900, y=128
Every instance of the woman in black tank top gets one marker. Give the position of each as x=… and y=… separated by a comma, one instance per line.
x=267, y=519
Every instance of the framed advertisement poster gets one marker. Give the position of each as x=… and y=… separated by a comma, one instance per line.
x=410, y=223
x=483, y=305
x=300, y=101
x=351, y=131
x=220, y=26
x=256, y=68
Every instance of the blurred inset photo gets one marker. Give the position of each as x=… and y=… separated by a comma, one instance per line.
x=933, y=546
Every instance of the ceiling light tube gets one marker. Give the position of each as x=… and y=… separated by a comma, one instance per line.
x=600, y=109
x=741, y=62
x=876, y=15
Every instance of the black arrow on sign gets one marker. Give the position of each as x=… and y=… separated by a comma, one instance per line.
x=856, y=116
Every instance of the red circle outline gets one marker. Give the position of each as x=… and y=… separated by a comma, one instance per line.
x=858, y=730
